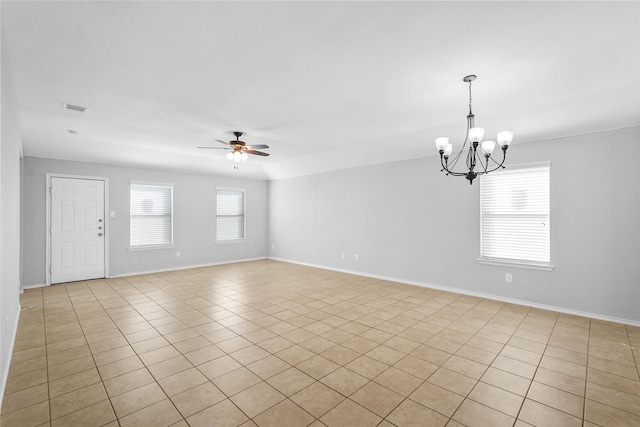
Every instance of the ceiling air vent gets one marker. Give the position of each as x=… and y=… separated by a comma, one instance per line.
x=76, y=108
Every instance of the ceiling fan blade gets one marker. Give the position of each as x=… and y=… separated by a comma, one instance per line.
x=215, y=148
x=222, y=142
x=258, y=146
x=258, y=153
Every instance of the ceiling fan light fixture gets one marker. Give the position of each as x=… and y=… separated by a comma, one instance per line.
x=239, y=151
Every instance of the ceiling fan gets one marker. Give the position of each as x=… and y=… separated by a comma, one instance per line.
x=239, y=150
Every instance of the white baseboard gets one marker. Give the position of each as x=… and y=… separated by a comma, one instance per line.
x=474, y=294
x=212, y=264
x=37, y=285
x=162, y=270
x=5, y=374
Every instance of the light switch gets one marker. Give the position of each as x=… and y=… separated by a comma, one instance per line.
x=112, y=214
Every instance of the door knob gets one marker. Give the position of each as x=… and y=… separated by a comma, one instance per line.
x=99, y=234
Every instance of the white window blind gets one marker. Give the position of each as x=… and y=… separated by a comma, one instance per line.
x=230, y=222
x=515, y=216
x=151, y=215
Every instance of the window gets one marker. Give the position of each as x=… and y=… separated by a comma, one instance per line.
x=515, y=220
x=230, y=224
x=151, y=216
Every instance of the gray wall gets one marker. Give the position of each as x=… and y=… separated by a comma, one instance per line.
x=10, y=154
x=407, y=221
x=194, y=218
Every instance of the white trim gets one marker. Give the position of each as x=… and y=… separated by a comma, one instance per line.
x=244, y=190
x=576, y=135
x=107, y=227
x=151, y=247
x=230, y=241
x=35, y=286
x=515, y=264
x=474, y=294
x=151, y=184
x=163, y=270
x=5, y=374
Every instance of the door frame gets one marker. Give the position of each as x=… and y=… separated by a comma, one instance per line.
x=107, y=229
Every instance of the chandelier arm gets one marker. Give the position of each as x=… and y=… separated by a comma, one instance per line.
x=446, y=168
x=457, y=157
x=454, y=173
x=483, y=165
x=489, y=158
x=494, y=160
x=499, y=165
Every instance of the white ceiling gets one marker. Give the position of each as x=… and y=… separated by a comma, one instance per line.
x=327, y=85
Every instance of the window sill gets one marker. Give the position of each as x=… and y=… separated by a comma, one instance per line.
x=151, y=247
x=517, y=264
x=230, y=241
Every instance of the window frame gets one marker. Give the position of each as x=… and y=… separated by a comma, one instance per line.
x=152, y=246
x=244, y=216
x=508, y=262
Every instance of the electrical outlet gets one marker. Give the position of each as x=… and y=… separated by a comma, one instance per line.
x=357, y=257
x=177, y=254
x=342, y=255
x=273, y=246
x=508, y=278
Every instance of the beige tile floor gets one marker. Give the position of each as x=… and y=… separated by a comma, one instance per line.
x=274, y=344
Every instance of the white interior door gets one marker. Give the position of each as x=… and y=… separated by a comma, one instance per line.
x=77, y=229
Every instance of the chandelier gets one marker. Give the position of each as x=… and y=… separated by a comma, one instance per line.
x=478, y=158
